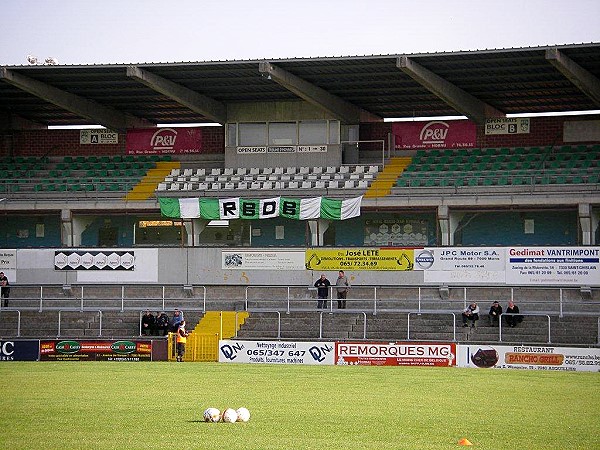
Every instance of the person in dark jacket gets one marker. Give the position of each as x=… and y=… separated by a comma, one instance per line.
x=147, y=323
x=513, y=320
x=494, y=314
x=161, y=323
x=4, y=287
x=322, y=285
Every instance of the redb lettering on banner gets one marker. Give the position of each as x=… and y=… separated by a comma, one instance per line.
x=434, y=134
x=163, y=141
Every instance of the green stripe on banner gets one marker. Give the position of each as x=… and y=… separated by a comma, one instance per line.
x=169, y=207
x=331, y=209
x=340, y=209
x=209, y=208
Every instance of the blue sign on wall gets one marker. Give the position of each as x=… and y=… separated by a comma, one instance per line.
x=19, y=350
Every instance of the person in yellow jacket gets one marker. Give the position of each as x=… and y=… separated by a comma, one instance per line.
x=182, y=335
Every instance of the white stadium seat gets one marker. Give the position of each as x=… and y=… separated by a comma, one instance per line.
x=349, y=184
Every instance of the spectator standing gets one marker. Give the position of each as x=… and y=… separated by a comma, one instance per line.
x=161, y=323
x=495, y=312
x=182, y=335
x=147, y=323
x=511, y=320
x=322, y=285
x=342, y=289
x=176, y=320
x=471, y=313
x=4, y=287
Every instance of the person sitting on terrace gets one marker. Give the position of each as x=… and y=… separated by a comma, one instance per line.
x=471, y=313
x=494, y=314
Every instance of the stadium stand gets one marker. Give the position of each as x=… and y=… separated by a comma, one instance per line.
x=58, y=193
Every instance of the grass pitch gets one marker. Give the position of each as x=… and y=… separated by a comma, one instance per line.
x=108, y=405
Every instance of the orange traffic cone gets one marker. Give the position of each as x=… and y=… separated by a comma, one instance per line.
x=464, y=441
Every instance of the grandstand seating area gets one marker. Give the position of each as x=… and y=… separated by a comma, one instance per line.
x=75, y=174
x=217, y=179
x=516, y=166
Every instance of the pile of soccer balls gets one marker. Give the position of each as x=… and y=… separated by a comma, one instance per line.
x=229, y=415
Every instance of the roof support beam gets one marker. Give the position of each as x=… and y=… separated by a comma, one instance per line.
x=100, y=114
x=460, y=100
x=585, y=81
x=208, y=107
x=340, y=108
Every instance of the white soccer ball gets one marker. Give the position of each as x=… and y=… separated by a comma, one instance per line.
x=229, y=415
x=212, y=415
x=243, y=415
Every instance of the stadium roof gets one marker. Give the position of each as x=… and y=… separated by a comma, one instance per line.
x=478, y=84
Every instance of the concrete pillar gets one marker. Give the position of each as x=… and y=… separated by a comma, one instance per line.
x=66, y=217
x=193, y=229
x=585, y=223
x=454, y=219
x=318, y=228
x=444, y=223
x=78, y=226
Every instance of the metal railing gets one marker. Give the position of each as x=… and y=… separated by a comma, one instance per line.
x=523, y=314
x=122, y=302
x=67, y=310
x=364, y=314
x=433, y=313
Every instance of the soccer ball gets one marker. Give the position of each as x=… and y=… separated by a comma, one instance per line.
x=243, y=415
x=229, y=415
x=212, y=415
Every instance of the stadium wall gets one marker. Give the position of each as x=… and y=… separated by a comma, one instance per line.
x=58, y=143
x=543, y=131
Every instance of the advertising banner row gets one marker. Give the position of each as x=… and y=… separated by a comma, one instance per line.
x=569, y=266
x=75, y=350
x=410, y=354
x=432, y=354
x=526, y=266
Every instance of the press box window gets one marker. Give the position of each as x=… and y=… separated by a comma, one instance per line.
x=252, y=134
